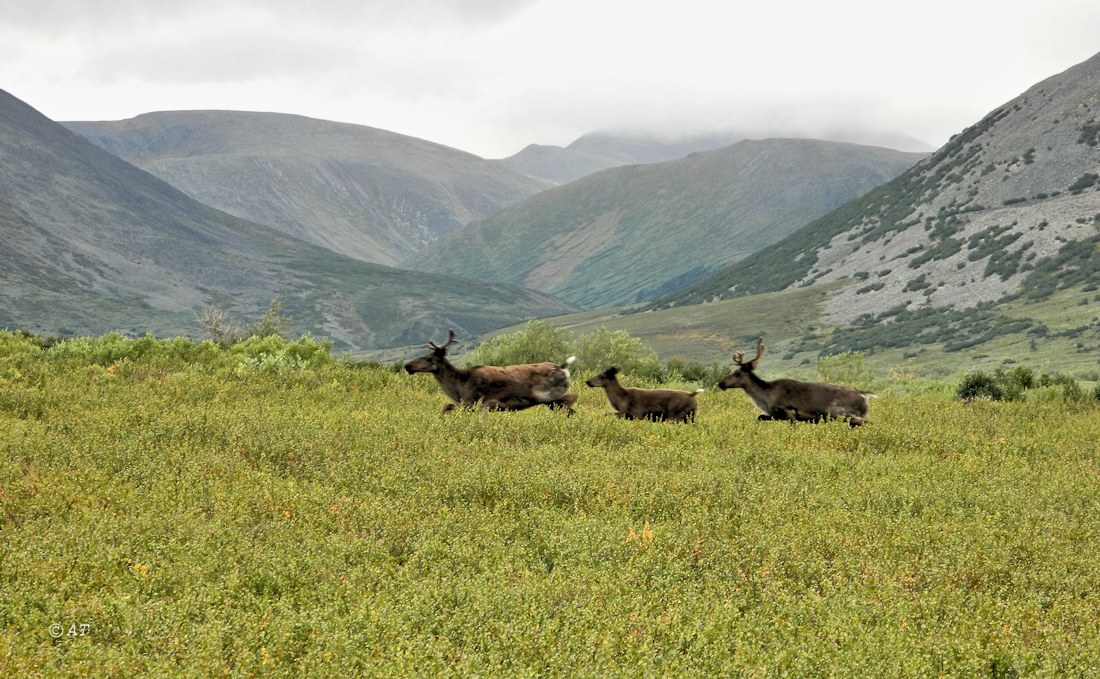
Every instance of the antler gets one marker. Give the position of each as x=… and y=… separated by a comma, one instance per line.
x=759, y=350
x=738, y=357
x=450, y=341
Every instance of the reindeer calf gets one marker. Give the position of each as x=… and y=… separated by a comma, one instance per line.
x=512, y=387
x=793, y=400
x=646, y=404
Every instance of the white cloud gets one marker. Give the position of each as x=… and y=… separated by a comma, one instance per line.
x=491, y=76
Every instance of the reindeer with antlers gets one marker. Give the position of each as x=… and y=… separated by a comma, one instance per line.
x=792, y=400
x=512, y=387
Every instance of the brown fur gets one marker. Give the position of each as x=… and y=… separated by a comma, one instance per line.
x=512, y=387
x=646, y=404
x=792, y=400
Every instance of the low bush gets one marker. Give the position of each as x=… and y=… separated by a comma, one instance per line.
x=1012, y=385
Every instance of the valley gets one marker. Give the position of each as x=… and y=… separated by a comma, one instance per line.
x=943, y=260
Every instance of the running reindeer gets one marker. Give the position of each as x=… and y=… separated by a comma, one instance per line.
x=646, y=404
x=512, y=387
x=793, y=400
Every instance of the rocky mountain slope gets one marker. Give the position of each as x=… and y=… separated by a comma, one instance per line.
x=1010, y=206
x=365, y=193
x=92, y=243
x=637, y=232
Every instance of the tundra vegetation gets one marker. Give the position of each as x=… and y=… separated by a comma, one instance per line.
x=265, y=508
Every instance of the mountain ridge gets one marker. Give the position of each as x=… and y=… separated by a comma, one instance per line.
x=597, y=151
x=627, y=233
x=94, y=244
x=366, y=193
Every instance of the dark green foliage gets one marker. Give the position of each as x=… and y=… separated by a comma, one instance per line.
x=1076, y=263
x=1085, y=181
x=877, y=285
x=989, y=241
x=918, y=283
x=1090, y=133
x=979, y=384
x=900, y=327
x=1005, y=262
x=1011, y=385
x=941, y=250
x=689, y=371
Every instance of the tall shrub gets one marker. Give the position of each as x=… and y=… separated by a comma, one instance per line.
x=538, y=341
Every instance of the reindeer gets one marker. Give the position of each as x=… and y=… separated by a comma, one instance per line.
x=646, y=404
x=513, y=387
x=793, y=400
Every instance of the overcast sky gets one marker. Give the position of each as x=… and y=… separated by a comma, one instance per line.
x=491, y=76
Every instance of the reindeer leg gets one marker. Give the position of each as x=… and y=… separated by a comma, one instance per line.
x=490, y=404
x=565, y=402
x=790, y=415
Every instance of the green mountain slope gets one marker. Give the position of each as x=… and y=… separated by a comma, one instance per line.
x=638, y=232
x=92, y=244
x=363, y=192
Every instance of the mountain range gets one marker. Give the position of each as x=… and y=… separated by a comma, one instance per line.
x=91, y=243
x=603, y=150
x=363, y=192
x=875, y=247
x=637, y=232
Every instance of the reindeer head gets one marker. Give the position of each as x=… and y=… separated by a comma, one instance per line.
x=604, y=378
x=742, y=376
x=434, y=360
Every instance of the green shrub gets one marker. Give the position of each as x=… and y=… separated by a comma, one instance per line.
x=846, y=368
x=677, y=370
x=603, y=348
x=274, y=353
x=979, y=385
x=1011, y=385
x=1085, y=181
x=918, y=283
x=538, y=341
x=272, y=323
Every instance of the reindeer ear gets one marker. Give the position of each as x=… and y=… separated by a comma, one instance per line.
x=613, y=371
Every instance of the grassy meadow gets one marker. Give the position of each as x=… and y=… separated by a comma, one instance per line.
x=188, y=510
